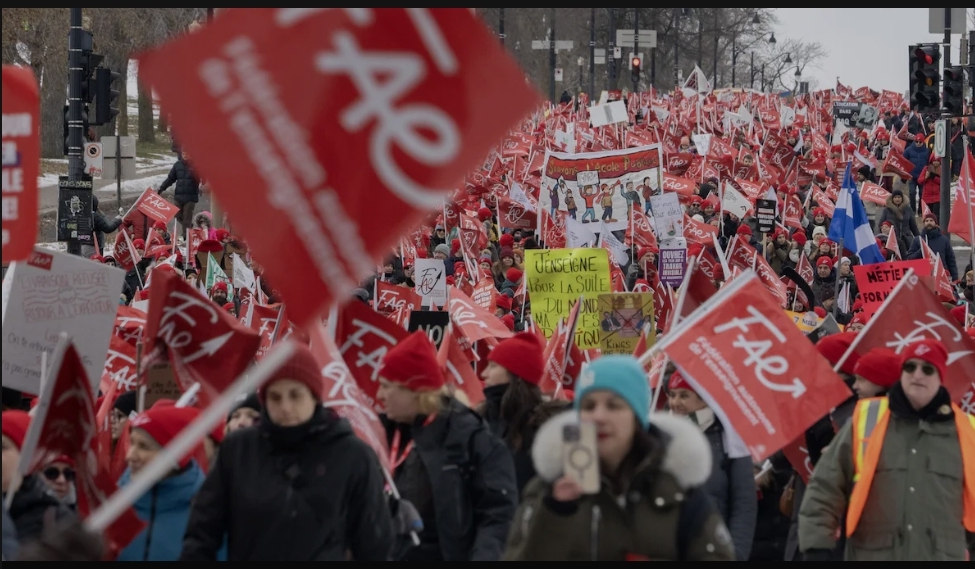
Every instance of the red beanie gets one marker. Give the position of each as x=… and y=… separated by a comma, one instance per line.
x=958, y=313
x=303, y=368
x=509, y=321
x=879, y=366
x=513, y=274
x=743, y=229
x=140, y=244
x=860, y=318
x=15, y=424
x=521, y=355
x=833, y=347
x=677, y=381
x=825, y=260
x=209, y=246
x=820, y=311
x=799, y=237
x=643, y=252
x=484, y=214
x=506, y=252
x=931, y=351
x=222, y=234
x=506, y=240
x=421, y=254
x=164, y=422
x=502, y=301
x=221, y=286
x=159, y=225
x=229, y=306
x=413, y=364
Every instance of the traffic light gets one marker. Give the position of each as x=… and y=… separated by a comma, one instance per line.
x=90, y=63
x=106, y=98
x=635, y=68
x=954, y=87
x=925, y=78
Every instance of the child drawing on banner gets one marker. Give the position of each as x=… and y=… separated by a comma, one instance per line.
x=646, y=189
x=589, y=194
x=632, y=197
x=553, y=194
x=570, y=203
x=606, y=201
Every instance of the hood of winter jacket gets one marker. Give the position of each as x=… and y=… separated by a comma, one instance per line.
x=174, y=493
x=687, y=456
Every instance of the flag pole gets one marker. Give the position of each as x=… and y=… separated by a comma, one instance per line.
x=836, y=288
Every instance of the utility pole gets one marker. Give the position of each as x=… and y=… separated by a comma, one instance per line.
x=945, y=214
x=77, y=40
x=751, y=84
x=653, y=54
x=551, y=60
x=610, y=52
x=501, y=25
x=636, y=47
x=592, y=54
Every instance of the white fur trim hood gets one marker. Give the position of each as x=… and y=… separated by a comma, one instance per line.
x=687, y=458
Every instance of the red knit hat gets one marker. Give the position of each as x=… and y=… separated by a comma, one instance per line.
x=677, y=381
x=833, y=347
x=159, y=225
x=824, y=260
x=413, y=364
x=502, y=301
x=820, y=311
x=860, y=318
x=931, y=351
x=506, y=240
x=799, y=237
x=163, y=423
x=229, y=306
x=509, y=321
x=643, y=252
x=930, y=215
x=221, y=286
x=140, y=244
x=484, y=214
x=879, y=366
x=513, y=274
x=222, y=234
x=15, y=424
x=209, y=246
x=303, y=368
x=958, y=313
x=743, y=229
x=521, y=355
x=506, y=252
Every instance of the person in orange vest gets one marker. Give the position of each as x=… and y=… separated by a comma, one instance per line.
x=901, y=473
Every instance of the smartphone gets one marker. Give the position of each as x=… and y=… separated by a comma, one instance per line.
x=579, y=456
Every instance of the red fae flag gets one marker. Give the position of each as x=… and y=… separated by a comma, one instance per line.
x=765, y=379
x=474, y=322
x=21, y=161
x=343, y=395
x=963, y=202
x=66, y=426
x=373, y=107
x=201, y=338
x=363, y=337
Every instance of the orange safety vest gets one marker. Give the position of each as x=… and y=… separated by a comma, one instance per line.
x=870, y=419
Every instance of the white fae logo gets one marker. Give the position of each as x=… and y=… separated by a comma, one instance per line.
x=929, y=329
x=756, y=350
x=515, y=213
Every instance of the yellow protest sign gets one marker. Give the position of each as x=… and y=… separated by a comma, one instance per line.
x=556, y=280
x=805, y=321
x=622, y=318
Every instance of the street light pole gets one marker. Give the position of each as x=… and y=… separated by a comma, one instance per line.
x=734, y=58
x=551, y=60
x=945, y=213
x=592, y=53
x=76, y=107
x=501, y=25
x=751, y=84
x=636, y=47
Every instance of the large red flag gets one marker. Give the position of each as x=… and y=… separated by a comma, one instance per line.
x=374, y=107
x=363, y=337
x=963, y=202
x=758, y=371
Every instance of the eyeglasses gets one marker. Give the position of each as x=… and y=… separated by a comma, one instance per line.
x=52, y=473
x=926, y=369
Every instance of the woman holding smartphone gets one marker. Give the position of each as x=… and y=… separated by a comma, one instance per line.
x=647, y=504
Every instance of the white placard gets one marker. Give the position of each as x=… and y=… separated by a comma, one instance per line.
x=243, y=276
x=52, y=293
x=610, y=113
x=702, y=142
x=734, y=203
x=587, y=178
x=430, y=276
x=668, y=215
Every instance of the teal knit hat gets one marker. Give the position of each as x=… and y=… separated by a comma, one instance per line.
x=622, y=375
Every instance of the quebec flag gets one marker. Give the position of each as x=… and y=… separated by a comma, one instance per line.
x=851, y=224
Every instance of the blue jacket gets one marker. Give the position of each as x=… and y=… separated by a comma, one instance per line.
x=166, y=511
x=918, y=155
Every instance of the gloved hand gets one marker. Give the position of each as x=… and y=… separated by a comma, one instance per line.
x=633, y=270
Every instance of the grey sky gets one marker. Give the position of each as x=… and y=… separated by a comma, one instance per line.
x=867, y=46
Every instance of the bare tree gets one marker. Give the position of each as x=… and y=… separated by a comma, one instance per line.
x=779, y=63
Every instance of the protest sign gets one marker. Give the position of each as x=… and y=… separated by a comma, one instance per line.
x=878, y=280
x=672, y=261
x=668, y=216
x=51, y=293
x=846, y=112
x=21, y=161
x=243, y=276
x=805, y=321
x=430, y=276
x=433, y=323
x=555, y=280
x=153, y=206
x=622, y=319
x=377, y=99
x=765, y=213
x=598, y=186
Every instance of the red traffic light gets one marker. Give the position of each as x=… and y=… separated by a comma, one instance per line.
x=636, y=62
x=927, y=54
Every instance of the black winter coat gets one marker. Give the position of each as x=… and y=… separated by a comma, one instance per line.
x=940, y=245
x=473, y=478
x=187, y=184
x=732, y=489
x=306, y=493
x=30, y=506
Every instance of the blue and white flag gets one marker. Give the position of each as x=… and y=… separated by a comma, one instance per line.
x=851, y=224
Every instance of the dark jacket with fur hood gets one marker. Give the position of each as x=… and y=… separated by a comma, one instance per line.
x=662, y=514
x=902, y=220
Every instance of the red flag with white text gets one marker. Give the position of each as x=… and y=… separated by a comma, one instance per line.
x=363, y=337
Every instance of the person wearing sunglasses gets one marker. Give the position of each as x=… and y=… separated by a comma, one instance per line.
x=898, y=479
x=60, y=476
